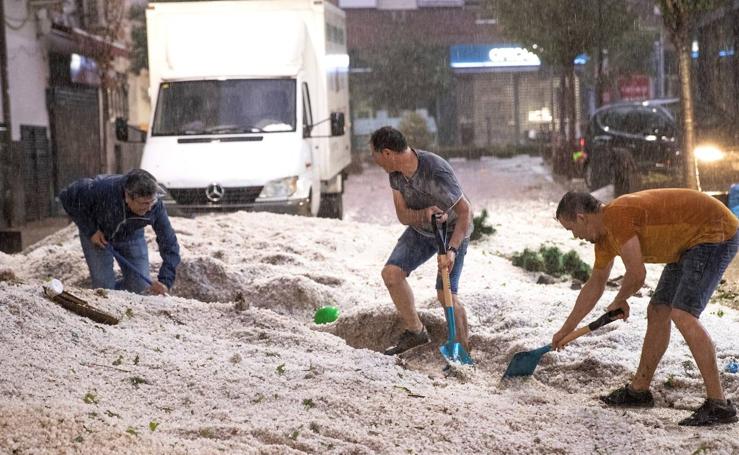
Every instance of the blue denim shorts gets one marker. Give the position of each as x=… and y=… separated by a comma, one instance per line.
x=413, y=249
x=689, y=283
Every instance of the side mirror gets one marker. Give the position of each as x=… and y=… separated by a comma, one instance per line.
x=121, y=129
x=337, y=124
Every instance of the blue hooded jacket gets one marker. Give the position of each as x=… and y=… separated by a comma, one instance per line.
x=100, y=204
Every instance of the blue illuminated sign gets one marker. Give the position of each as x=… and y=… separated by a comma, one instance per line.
x=465, y=56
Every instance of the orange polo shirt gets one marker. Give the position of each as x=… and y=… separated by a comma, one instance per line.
x=667, y=222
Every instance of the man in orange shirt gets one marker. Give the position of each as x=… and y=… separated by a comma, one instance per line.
x=696, y=237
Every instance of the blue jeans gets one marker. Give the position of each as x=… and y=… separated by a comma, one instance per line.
x=100, y=263
x=413, y=249
x=689, y=283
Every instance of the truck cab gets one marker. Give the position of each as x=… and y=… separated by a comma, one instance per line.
x=249, y=112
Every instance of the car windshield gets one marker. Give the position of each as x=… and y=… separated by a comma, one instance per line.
x=225, y=107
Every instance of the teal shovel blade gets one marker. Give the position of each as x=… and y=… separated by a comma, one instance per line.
x=524, y=363
x=452, y=350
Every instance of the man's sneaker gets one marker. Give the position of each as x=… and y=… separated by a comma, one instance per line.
x=409, y=340
x=627, y=397
x=712, y=412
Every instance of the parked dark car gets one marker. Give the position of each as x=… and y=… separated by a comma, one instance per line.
x=636, y=145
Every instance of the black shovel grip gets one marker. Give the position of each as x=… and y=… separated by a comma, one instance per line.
x=439, y=233
x=605, y=319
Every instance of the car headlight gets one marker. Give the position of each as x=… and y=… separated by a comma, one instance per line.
x=708, y=153
x=280, y=188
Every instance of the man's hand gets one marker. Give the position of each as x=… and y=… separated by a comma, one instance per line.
x=557, y=338
x=446, y=261
x=434, y=210
x=158, y=288
x=623, y=305
x=98, y=239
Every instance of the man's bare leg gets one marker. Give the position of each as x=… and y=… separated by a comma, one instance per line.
x=655, y=344
x=703, y=350
x=402, y=296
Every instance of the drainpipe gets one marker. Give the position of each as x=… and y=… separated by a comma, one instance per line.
x=5, y=161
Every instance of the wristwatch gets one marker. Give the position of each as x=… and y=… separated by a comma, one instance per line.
x=451, y=248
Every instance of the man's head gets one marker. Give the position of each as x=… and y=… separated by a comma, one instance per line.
x=580, y=213
x=141, y=191
x=386, y=145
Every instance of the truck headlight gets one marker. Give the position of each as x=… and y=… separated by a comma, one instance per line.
x=708, y=153
x=280, y=188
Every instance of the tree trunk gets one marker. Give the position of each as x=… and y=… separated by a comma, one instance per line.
x=686, y=105
x=572, y=108
x=599, y=83
x=559, y=158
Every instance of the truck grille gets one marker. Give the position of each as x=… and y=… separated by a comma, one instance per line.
x=231, y=196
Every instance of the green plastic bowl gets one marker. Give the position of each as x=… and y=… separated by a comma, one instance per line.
x=326, y=314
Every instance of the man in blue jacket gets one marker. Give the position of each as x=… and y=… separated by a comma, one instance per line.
x=111, y=211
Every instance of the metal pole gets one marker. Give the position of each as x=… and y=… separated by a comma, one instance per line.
x=5, y=159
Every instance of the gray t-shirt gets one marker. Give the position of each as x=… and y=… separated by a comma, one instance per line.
x=433, y=183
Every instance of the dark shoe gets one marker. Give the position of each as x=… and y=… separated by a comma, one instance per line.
x=409, y=340
x=711, y=412
x=627, y=397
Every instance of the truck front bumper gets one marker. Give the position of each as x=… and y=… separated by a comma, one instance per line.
x=290, y=207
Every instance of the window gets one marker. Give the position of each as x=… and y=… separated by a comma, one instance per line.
x=225, y=107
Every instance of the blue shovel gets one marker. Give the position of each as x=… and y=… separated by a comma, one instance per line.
x=126, y=263
x=524, y=363
x=452, y=350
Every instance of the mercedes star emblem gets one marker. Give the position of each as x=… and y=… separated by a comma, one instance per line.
x=214, y=192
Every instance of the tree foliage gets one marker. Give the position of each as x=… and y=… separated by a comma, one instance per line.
x=416, y=131
x=139, y=51
x=558, y=31
x=406, y=75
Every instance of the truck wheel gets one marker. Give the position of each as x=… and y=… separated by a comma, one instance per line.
x=332, y=206
x=626, y=178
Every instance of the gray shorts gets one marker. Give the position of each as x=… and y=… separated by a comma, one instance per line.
x=689, y=283
x=413, y=249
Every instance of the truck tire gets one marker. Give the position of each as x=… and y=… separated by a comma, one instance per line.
x=626, y=178
x=332, y=206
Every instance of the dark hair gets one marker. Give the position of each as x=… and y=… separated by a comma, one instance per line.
x=140, y=183
x=388, y=137
x=575, y=202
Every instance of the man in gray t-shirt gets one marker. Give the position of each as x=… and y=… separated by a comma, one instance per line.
x=423, y=184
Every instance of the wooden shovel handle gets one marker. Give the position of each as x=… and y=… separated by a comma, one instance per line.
x=598, y=323
x=447, y=288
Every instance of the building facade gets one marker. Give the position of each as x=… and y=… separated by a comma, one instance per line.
x=60, y=110
x=500, y=93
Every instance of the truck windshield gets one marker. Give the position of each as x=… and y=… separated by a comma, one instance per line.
x=225, y=107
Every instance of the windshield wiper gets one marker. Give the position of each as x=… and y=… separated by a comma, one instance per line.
x=190, y=132
x=233, y=129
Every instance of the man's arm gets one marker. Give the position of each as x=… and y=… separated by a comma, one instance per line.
x=634, y=276
x=78, y=200
x=462, y=209
x=591, y=291
x=169, y=249
x=410, y=217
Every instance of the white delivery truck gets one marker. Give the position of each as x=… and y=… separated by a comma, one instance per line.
x=249, y=104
